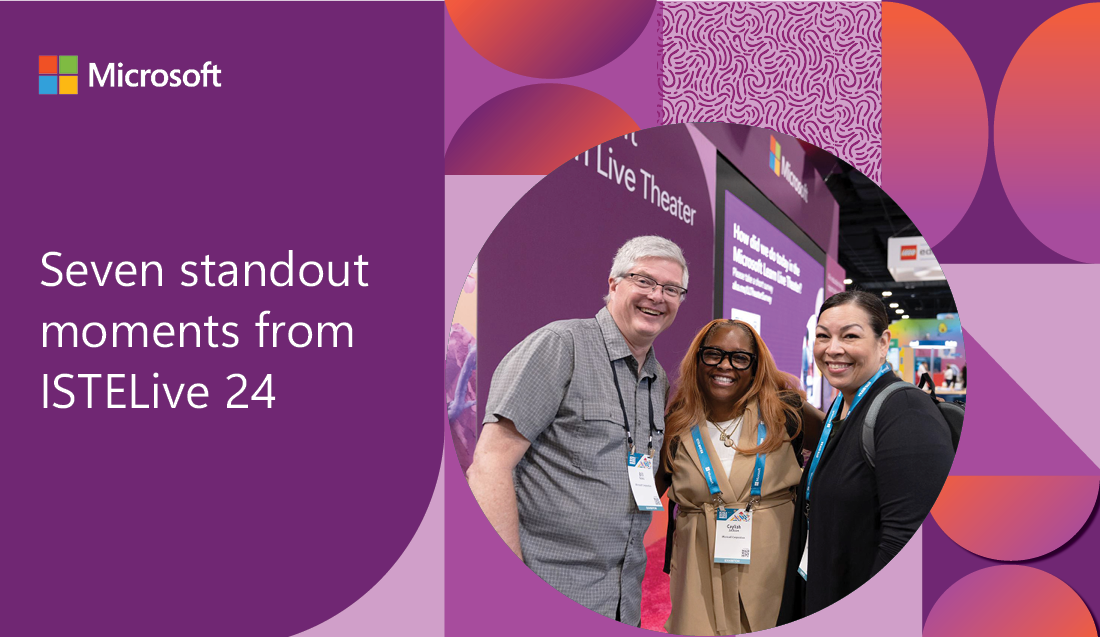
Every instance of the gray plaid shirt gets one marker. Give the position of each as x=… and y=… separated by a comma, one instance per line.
x=579, y=528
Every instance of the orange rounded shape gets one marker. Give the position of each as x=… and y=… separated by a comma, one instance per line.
x=1014, y=517
x=531, y=130
x=1009, y=601
x=1046, y=132
x=933, y=110
x=550, y=38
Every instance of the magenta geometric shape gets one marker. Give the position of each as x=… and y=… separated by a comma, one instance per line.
x=1005, y=432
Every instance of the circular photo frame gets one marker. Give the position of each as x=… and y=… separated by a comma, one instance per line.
x=724, y=248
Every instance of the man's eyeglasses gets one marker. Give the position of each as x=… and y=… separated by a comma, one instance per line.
x=671, y=292
x=713, y=357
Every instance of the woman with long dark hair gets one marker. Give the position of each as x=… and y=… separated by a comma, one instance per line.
x=856, y=509
x=729, y=460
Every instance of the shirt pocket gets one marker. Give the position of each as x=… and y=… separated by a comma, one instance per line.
x=600, y=432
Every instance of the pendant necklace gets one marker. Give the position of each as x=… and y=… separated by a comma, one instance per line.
x=726, y=436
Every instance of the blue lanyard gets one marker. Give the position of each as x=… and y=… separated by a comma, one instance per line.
x=704, y=459
x=829, y=424
x=758, y=472
x=708, y=469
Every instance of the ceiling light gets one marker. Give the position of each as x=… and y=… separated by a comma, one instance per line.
x=887, y=293
x=904, y=316
x=847, y=281
x=900, y=311
x=893, y=305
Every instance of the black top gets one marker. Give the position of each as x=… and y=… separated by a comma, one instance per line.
x=860, y=517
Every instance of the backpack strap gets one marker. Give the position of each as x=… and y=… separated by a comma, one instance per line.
x=868, y=433
x=951, y=413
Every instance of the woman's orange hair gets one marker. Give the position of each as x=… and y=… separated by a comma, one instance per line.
x=688, y=407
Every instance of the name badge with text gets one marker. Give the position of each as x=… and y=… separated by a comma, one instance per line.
x=642, y=484
x=733, y=537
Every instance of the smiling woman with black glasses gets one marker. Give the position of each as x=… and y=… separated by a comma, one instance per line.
x=730, y=465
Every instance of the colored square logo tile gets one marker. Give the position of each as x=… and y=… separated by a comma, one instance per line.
x=68, y=84
x=47, y=64
x=67, y=64
x=47, y=85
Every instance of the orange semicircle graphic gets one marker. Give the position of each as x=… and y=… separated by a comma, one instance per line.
x=1010, y=601
x=531, y=130
x=1013, y=518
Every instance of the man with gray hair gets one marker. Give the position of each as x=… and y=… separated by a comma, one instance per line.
x=567, y=407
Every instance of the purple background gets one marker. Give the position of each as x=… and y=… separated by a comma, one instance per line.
x=946, y=563
x=550, y=257
x=630, y=80
x=835, y=271
x=218, y=522
x=991, y=37
x=783, y=322
x=991, y=43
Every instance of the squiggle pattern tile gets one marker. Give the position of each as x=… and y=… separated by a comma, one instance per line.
x=811, y=70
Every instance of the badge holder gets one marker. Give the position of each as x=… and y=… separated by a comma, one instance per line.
x=642, y=484
x=804, y=563
x=733, y=536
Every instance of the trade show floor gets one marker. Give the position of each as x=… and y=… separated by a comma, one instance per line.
x=655, y=600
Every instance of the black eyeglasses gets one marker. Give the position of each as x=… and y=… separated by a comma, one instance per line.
x=672, y=292
x=713, y=357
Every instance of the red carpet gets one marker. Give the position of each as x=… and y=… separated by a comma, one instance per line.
x=655, y=601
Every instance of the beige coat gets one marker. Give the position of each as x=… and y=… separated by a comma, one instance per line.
x=729, y=599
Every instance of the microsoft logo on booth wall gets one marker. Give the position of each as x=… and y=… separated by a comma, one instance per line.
x=783, y=169
x=57, y=74
x=774, y=158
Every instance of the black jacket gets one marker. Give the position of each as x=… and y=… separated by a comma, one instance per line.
x=862, y=517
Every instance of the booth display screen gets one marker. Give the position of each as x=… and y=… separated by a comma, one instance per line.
x=773, y=276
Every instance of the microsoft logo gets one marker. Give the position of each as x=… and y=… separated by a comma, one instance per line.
x=774, y=158
x=783, y=169
x=57, y=74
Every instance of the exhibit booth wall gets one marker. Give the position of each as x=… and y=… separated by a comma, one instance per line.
x=549, y=259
